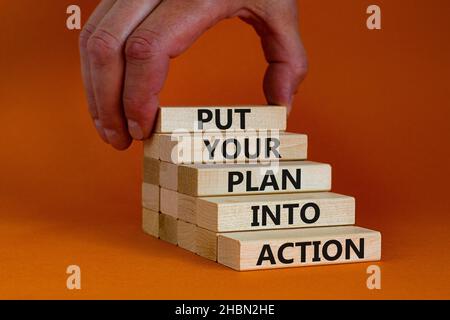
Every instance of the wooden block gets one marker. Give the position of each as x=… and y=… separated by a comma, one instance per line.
x=206, y=243
x=151, y=171
x=298, y=247
x=275, y=211
x=186, y=235
x=187, y=208
x=150, y=196
x=226, y=147
x=178, y=205
x=151, y=147
x=150, y=222
x=168, y=228
x=216, y=118
x=227, y=179
x=169, y=202
x=168, y=175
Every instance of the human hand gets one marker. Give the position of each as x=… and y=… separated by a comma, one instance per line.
x=126, y=46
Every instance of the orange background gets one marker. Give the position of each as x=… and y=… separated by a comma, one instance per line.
x=375, y=105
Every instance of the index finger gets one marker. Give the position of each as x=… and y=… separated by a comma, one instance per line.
x=166, y=33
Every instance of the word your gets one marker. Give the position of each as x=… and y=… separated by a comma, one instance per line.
x=249, y=147
x=256, y=146
x=206, y=115
x=268, y=182
x=275, y=217
x=331, y=250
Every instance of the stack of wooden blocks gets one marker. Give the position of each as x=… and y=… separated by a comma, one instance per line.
x=229, y=184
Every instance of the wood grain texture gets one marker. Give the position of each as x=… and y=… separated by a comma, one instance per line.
x=169, y=202
x=172, y=119
x=150, y=222
x=168, y=228
x=206, y=243
x=215, y=179
x=187, y=208
x=186, y=234
x=226, y=147
x=150, y=196
x=151, y=170
x=168, y=175
x=151, y=147
x=298, y=247
x=178, y=205
x=290, y=210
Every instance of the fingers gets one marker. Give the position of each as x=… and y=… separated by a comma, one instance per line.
x=166, y=33
x=85, y=34
x=105, y=52
x=124, y=70
x=276, y=22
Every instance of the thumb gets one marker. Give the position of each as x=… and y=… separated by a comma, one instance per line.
x=277, y=25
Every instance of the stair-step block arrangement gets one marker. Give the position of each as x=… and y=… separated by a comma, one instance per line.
x=229, y=184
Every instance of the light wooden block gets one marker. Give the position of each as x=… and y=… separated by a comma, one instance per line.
x=150, y=222
x=298, y=247
x=151, y=169
x=275, y=211
x=186, y=235
x=168, y=175
x=216, y=118
x=151, y=147
x=187, y=208
x=226, y=147
x=168, y=228
x=232, y=179
x=206, y=243
x=178, y=205
x=169, y=202
x=150, y=196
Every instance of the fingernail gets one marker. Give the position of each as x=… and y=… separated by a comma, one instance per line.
x=100, y=130
x=135, y=130
x=111, y=135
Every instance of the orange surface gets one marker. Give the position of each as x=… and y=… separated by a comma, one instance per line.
x=375, y=105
